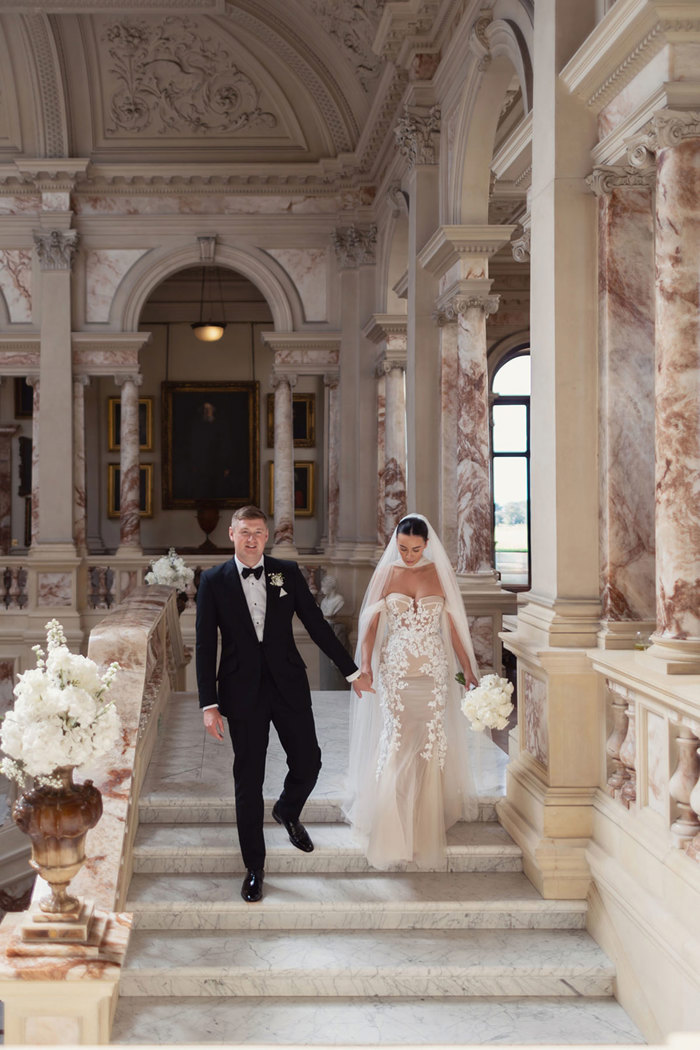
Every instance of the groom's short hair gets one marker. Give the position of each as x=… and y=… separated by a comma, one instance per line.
x=249, y=513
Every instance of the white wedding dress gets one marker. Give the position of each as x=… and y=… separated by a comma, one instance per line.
x=409, y=774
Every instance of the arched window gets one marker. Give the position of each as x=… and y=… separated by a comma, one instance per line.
x=510, y=469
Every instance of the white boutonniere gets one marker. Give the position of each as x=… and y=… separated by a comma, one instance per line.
x=276, y=579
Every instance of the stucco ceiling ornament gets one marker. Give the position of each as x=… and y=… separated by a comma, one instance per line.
x=353, y=25
x=605, y=178
x=55, y=248
x=520, y=244
x=414, y=134
x=182, y=82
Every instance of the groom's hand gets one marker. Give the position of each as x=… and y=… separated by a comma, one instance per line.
x=214, y=723
x=363, y=683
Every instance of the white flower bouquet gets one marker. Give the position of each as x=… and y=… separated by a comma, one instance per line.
x=60, y=717
x=488, y=705
x=170, y=571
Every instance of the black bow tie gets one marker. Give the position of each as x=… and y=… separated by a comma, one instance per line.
x=257, y=573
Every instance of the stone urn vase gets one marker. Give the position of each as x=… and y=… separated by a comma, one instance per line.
x=57, y=820
x=207, y=519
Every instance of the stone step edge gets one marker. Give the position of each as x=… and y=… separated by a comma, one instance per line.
x=558, y=907
x=505, y=849
x=211, y=810
x=397, y=983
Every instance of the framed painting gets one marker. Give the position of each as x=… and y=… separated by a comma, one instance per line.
x=114, y=423
x=211, y=444
x=145, y=490
x=24, y=398
x=303, y=420
x=303, y=488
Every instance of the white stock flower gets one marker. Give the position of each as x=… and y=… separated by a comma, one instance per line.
x=170, y=571
x=489, y=706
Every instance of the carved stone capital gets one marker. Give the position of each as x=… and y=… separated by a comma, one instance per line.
x=55, y=248
x=606, y=178
x=331, y=380
x=666, y=129
x=81, y=380
x=135, y=378
x=521, y=245
x=415, y=135
x=355, y=246
x=33, y=381
x=284, y=379
x=461, y=303
x=389, y=359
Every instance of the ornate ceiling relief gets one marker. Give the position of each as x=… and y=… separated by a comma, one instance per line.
x=171, y=78
x=353, y=24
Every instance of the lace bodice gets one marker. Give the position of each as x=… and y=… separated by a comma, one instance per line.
x=413, y=646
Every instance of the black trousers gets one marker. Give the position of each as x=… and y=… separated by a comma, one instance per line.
x=249, y=736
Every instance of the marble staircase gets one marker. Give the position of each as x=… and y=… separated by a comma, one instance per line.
x=337, y=953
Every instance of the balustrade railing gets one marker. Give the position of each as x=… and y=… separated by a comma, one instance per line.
x=14, y=587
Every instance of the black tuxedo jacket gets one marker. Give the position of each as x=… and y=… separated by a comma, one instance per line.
x=221, y=607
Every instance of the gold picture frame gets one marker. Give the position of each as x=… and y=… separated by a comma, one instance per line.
x=211, y=444
x=304, y=479
x=303, y=420
x=145, y=490
x=114, y=420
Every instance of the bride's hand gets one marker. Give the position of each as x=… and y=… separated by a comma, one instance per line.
x=363, y=683
x=470, y=681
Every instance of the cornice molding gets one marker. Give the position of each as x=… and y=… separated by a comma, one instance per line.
x=111, y=354
x=450, y=243
x=404, y=27
x=381, y=326
x=514, y=156
x=625, y=41
x=308, y=342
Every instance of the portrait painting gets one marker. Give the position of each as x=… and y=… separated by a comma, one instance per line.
x=303, y=420
x=114, y=424
x=303, y=489
x=210, y=444
x=145, y=490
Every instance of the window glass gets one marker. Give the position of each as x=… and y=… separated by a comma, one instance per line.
x=513, y=377
x=510, y=496
x=509, y=428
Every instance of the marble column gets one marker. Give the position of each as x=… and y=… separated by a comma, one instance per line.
x=449, y=403
x=35, y=384
x=79, y=485
x=381, y=452
x=676, y=141
x=333, y=445
x=626, y=400
x=284, y=465
x=55, y=249
x=129, y=480
x=394, y=478
x=417, y=135
x=474, y=516
x=6, y=435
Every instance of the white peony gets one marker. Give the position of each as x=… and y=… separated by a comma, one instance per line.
x=170, y=571
x=488, y=705
x=60, y=717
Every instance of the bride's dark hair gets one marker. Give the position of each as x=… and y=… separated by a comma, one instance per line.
x=411, y=526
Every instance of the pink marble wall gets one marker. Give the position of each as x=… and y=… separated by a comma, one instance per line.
x=308, y=269
x=79, y=487
x=129, y=515
x=54, y=588
x=473, y=463
x=534, y=705
x=678, y=391
x=16, y=283
x=381, y=459
x=105, y=362
x=626, y=354
x=105, y=270
x=449, y=403
x=20, y=205
x=481, y=629
x=223, y=203
x=633, y=94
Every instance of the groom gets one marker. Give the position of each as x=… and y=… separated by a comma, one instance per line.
x=261, y=678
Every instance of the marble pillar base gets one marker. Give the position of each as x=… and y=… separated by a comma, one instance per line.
x=674, y=657
x=622, y=634
x=284, y=550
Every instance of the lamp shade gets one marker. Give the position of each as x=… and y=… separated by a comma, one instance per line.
x=208, y=331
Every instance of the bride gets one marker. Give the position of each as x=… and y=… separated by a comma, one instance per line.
x=409, y=777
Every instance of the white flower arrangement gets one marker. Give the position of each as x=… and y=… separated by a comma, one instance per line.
x=170, y=571
x=488, y=705
x=60, y=717
x=276, y=579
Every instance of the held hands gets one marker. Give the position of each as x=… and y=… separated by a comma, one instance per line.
x=214, y=723
x=363, y=684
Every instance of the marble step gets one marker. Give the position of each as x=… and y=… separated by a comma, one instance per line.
x=372, y=963
x=212, y=848
x=374, y=900
x=166, y=808
x=361, y=1022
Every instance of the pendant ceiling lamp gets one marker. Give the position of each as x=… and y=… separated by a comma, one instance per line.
x=209, y=331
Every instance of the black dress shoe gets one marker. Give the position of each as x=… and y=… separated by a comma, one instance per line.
x=251, y=890
x=298, y=835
